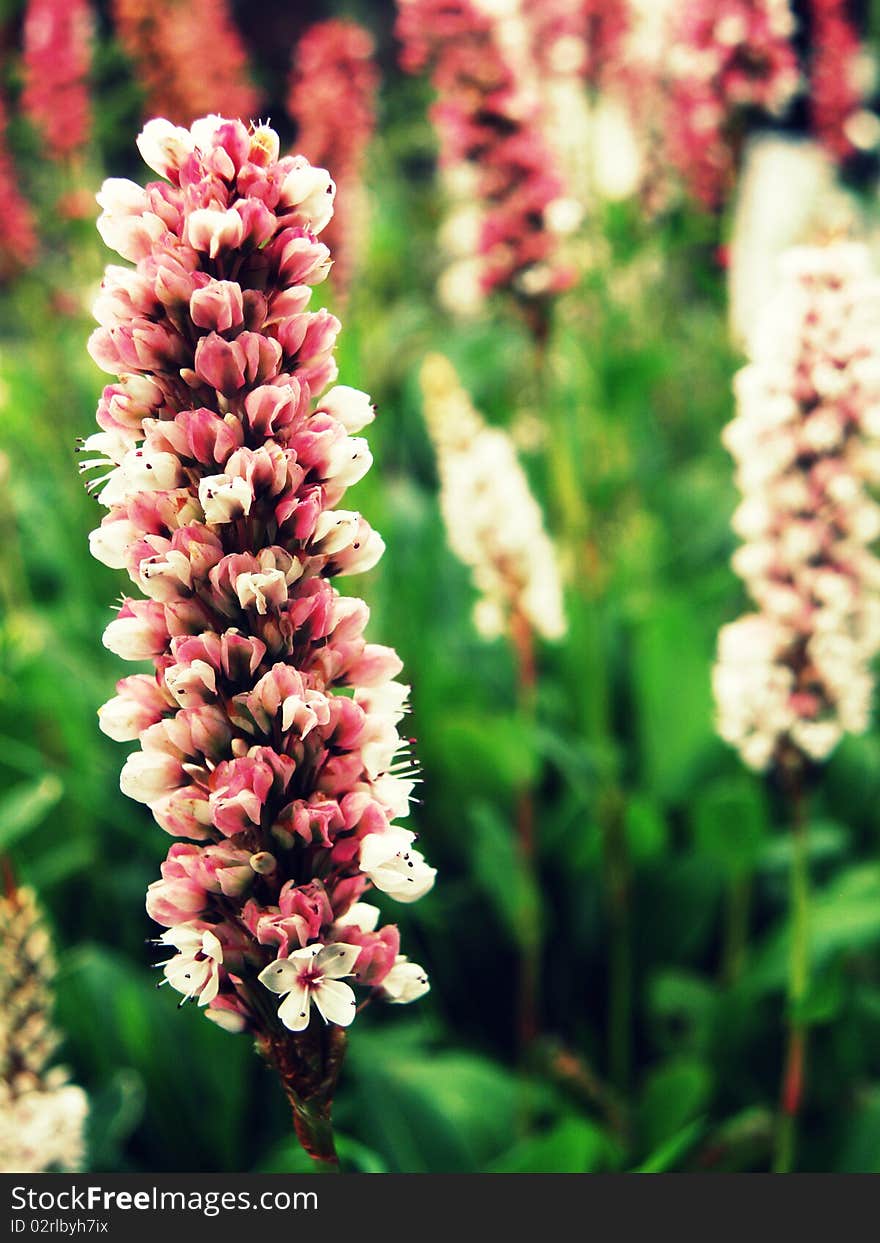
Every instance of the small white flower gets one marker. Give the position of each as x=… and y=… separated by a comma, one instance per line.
x=195, y=970
x=314, y=973
x=360, y=915
x=164, y=146
x=260, y=591
x=223, y=499
x=394, y=867
x=405, y=982
x=147, y=775
x=350, y=406
x=141, y=471
x=110, y=542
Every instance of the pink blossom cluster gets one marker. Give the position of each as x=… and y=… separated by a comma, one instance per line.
x=607, y=24
x=332, y=98
x=795, y=675
x=166, y=41
x=268, y=740
x=586, y=37
x=490, y=125
x=725, y=58
x=57, y=61
x=18, y=237
x=835, y=95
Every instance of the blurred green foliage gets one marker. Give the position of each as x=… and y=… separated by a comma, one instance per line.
x=660, y=907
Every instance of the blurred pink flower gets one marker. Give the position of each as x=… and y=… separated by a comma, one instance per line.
x=488, y=123
x=166, y=41
x=18, y=237
x=836, y=94
x=724, y=59
x=57, y=59
x=332, y=99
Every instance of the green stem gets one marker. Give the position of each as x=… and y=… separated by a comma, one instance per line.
x=794, y=1074
x=308, y=1064
x=314, y=1129
x=527, y=1000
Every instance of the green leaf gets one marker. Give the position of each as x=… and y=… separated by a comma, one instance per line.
x=115, y=1110
x=196, y=1079
x=844, y=916
x=445, y=1111
x=730, y=823
x=682, y=1008
x=669, y=1153
x=826, y=840
x=500, y=873
x=572, y=1146
x=26, y=807
x=673, y=1095
x=860, y=1152
x=825, y=998
x=495, y=754
x=671, y=660
x=646, y=832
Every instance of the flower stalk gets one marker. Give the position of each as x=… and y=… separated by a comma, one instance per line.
x=496, y=528
x=42, y=1114
x=795, y=675
x=332, y=99
x=794, y=1075
x=268, y=731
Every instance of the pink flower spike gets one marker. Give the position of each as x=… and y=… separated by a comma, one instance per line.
x=269, y=746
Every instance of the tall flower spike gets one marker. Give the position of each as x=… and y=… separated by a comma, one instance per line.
x=332, y=99
x=794, y=676
x=725, y=58
x=840, y=79
x=18, y=237
x=225, y=476
x=57, y=59
x=488, y=125
x=166, y=42
x=493, y=523
x=42, y=1116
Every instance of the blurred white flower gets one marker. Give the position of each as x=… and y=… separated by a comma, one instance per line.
x=788, y=194
x=493, y=523
x=42, y=1116
x=797, y=674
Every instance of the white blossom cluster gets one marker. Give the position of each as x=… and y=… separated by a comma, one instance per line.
x=42, y=1116
x=806, y=441
x=493, y=523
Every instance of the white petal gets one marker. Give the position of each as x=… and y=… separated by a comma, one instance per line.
x=335, y=961
x=294, y=1010
x=336, y=1001
x=360, y=915
x=211, y=946
x=378, y=848
x=211, y=989
x=280, y=976
x=405, y=982
x=183, y=937
x=306, y=954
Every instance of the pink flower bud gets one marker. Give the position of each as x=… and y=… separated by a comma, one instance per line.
x=139, y=631
x=217, y=306
x=138, y=704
